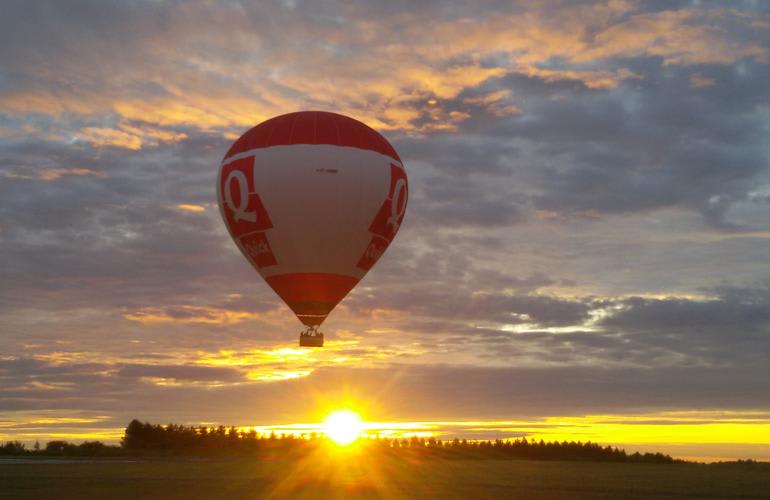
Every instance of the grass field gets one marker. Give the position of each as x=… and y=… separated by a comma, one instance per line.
x=356, y=477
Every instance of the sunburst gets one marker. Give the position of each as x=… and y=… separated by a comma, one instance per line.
x=343, y=426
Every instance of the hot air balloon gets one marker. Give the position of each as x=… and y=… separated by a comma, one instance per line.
x=312, y=199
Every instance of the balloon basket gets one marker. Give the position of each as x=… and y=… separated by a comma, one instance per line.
x=311, y=338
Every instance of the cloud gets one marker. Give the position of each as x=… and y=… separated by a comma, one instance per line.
x=586, y=63
x=698, y=81
x=492, y=307
x=460, y=202
x=408, y=391
x=181, y=373
x=127, y=136
x=186, y=207
x=729, y=330
x=52, y=174
x=189, y=314
x=136, y=71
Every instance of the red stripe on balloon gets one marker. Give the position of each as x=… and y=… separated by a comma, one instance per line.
x=311, y=296
x=296, y=287
x=313, y=127
x=304, y=129
x=326, y=129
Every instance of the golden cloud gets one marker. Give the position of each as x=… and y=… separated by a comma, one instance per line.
x=128, y=137
x=188, y=207
x=687, y=36
x=401, y=63
x=496, y=103
x=187, y=314
x=288, y=362
x=52, y=174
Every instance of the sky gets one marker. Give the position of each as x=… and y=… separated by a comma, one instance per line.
x=586, y=251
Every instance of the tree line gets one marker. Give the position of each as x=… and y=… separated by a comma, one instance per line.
x=144, y=438
x=61, y=448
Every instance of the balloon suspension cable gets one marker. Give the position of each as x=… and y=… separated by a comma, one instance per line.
x=311, y=337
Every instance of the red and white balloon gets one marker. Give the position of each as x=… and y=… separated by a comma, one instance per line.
x=312, y=199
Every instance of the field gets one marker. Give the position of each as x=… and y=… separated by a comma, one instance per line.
x=355, y=477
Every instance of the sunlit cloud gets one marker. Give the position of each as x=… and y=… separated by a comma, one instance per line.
x=30, y=426
x=284, y=363
x=38, y=385
x=201, y=111
x=52, y=174
x=63, y=420
x=127, y=136
x=497, y=103
x=188, y=207
x=256, y=357
x=57, y=358
x=591, y=79
x=110, y=137
x=435, y=59
x=112, y=435
x=686, y=36
x=275, y=375
x=187, y=314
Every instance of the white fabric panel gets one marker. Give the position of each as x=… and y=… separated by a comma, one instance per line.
x=321, y=200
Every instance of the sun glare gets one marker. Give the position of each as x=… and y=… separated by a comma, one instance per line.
x=343, y=426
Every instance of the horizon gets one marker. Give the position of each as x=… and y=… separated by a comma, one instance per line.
x=661, y=432
x=586, y=250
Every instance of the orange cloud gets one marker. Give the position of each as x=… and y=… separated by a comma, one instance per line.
x=189, y=315
x=110, y=137
x=688, y=36
x=288, y=361
x=52, y=174
x=495, y=102
x=401, y=61
x=128, y=136
x=187, y=207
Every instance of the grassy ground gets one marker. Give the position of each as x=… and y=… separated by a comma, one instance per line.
x=359, y=477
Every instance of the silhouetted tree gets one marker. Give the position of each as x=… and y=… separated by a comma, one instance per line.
x=60, y=447
x=13, y=448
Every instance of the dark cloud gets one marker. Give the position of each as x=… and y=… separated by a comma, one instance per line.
x=455, y=204
x=653, y=142
x=449, y=302
x=460, y=156
x=114, y=238
x=731, y=330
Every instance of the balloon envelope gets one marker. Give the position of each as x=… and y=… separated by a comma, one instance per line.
x=312, y=199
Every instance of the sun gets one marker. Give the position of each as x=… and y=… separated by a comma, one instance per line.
x=343, y=426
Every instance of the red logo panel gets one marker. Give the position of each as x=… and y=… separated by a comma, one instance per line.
x=388, y=218
x=241, y=205
x=258, y=249
x=373, y=252
x=391, y=213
